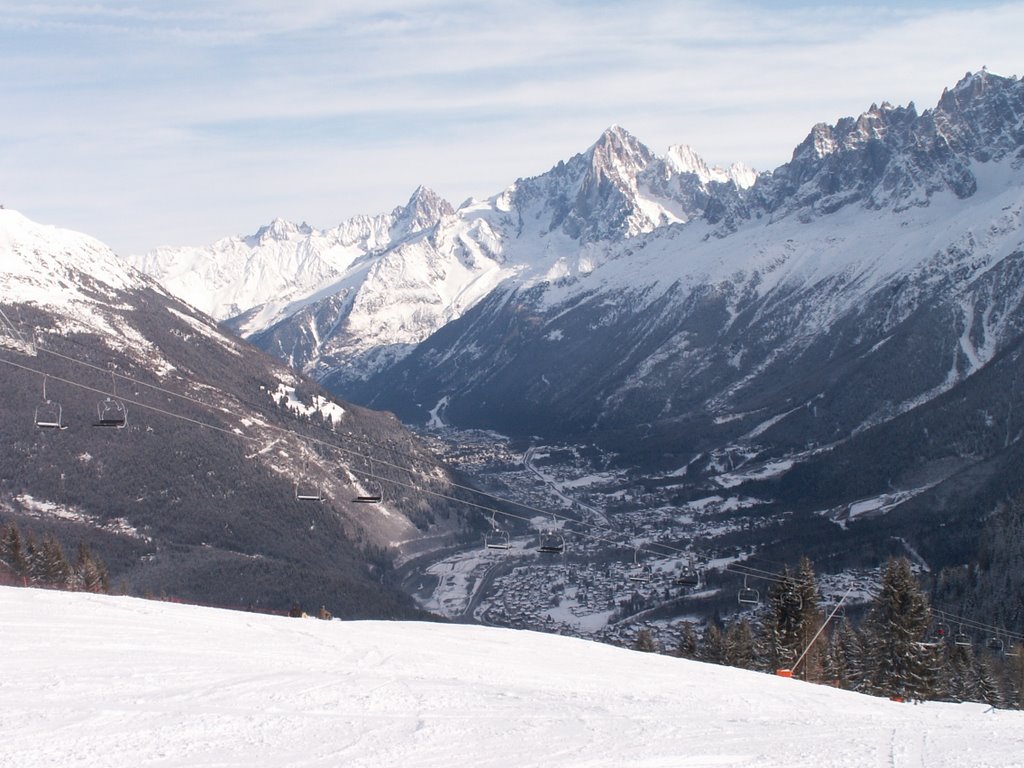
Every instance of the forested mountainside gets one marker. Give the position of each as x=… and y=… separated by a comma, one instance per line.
x=191, y=491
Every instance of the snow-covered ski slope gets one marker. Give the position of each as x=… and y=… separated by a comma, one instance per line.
x=110, y=681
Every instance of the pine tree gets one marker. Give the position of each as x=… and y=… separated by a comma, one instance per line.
x=90, y=573
x=739, y=645
x=961, y=682
x=55, y=568
x=792, y=619
x=809, y=623
x=33, y=561
x=1015, y=678
x=687, y=648
x=776, y=628
x=712, y=648
x=13, y=551
x=835, y=665
x=900, y=615
x=857, y=662
x=645, y=641
x=987, y=683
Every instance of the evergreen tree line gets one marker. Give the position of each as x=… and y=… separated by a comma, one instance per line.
x=893, y=652
x=43, y=563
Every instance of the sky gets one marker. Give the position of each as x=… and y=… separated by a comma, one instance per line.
x=148, y=123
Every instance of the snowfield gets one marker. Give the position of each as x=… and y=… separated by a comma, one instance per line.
x=111, y=681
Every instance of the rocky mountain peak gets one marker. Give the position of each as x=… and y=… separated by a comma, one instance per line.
x=618, y=154
x=982, y=115
x=280, y=230
x=683, y=159
x=424, y=209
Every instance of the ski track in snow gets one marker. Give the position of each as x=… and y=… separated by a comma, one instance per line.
x=106, y=681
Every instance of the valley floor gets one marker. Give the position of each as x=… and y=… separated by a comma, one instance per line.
x=112, y=681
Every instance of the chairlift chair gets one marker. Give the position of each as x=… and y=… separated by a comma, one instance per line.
x=688, y=577
x=497, y=538
x=995, y=644
x=962, y=639
x=375, y=489
x=373, y=496
x=49, y=415
x=641, y=572
x=304, y=492
x=748, y=595
x=552, y=544
x=836, y=611
x=792, y=593
x=111, y=413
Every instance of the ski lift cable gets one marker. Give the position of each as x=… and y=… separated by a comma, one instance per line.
x=757, y=573
x=671, y=551
x=665, y=551
x=253, y=439
x=734, y=567
x=662, y=550
x=136, y=403
x=974, y=624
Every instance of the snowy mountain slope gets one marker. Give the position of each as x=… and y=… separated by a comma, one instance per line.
x=617, y=199
x=713, y=319
x=283, y=262
x=124, y=682
x=870, y=282
x=690, y=322
x=349, y=321
x=196, y=495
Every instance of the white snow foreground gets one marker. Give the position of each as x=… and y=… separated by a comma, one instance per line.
x=110, y=681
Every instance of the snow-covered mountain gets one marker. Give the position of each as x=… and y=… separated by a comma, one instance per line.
x=402, y=276
x=103, y=681
x=831, y=318
x=612, y=320
x=283, y=262
x=196, y=494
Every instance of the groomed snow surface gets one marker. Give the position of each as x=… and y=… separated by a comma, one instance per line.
x=90, y=680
